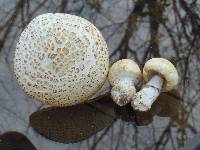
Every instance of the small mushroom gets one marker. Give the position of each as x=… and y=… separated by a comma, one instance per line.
x=61, y=59
x=162, y=76
x=123, y=75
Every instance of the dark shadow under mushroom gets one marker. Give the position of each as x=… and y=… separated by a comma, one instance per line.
x=79, y=122
x=167, y=105
x=125, y=113
x=15, y=141
x=72, y=124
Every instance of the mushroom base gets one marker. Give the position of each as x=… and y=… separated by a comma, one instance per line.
x=143, y=99
x=123, y=90
x=122, y=95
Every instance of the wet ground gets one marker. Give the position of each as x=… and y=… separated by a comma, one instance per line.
x=133, y=29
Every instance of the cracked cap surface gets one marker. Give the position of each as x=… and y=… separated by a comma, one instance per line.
x=61, y=59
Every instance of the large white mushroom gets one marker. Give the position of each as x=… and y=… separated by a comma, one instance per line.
x=161, y=76
x=61, y=59
x=123, y=75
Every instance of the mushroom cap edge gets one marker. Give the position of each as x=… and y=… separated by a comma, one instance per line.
x=126, y=68
x=165, y=69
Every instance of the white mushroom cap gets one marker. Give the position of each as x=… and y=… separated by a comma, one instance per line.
x=165, y=69
x=61, y=59
x=124, y=68
x=123, y=74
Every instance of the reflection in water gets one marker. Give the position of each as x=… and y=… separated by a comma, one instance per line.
x=167, y=104
x=143, y=118
x=77, y=123
x=125, y=113
x=15, y=141
x=70, y=124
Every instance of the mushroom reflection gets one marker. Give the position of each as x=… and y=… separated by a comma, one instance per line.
x=72, y=124
x=143, y=118
x=167, y=105
x=77, y=123
x=15, y=141
x=125, y=113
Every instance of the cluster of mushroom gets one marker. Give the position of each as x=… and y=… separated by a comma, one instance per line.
x=63, y=60
x=159, y=73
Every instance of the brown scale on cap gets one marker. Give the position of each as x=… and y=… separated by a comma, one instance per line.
x=61, y=59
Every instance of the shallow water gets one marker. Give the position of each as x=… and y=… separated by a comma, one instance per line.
x=137, y=30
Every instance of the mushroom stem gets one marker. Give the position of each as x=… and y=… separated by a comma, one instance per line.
x=143, y=99
x=123, y=90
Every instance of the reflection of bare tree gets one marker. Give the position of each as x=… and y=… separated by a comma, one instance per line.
x=148, y=28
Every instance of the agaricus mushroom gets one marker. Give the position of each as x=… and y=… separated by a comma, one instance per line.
x=61, y=59
x=162, y=76
x=123, y=75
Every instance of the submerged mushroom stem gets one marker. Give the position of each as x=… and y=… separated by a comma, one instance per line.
x=143, y=99
x=123, y=90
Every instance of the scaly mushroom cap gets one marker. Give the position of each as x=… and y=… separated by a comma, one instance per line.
x=165, y=69
x=61, y=59
x=124, y=68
